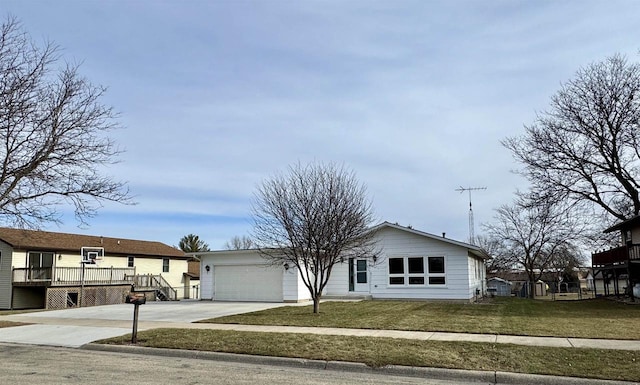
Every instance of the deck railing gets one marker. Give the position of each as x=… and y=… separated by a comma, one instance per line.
x=616, y=256
x=156, y=282
x=62, y=276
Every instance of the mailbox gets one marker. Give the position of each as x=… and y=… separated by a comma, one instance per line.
x=136, y=298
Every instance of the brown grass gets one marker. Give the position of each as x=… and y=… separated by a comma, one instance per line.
x=594, y=318
x=593, y=363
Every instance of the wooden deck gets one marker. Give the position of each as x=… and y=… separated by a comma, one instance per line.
x=73, y=276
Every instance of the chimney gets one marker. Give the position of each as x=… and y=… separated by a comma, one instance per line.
x=443, y=235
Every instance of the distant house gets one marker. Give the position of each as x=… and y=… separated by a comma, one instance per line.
x=411, y=265
x=499, y=287
x=519, y=281
x=619, y=268
x=40, y=269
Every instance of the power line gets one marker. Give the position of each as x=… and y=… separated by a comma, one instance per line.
x=471, y=226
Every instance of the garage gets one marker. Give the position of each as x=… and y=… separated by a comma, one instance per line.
x=248, y=283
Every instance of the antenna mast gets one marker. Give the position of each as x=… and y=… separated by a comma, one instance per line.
x=472, y=235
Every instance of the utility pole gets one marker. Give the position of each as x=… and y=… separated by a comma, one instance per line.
x=472, y=235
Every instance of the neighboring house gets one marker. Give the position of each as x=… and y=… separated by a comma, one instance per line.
x=191, y=279
x=411, y=265
x=617, y=271
x=498, y=287
x=40, y=269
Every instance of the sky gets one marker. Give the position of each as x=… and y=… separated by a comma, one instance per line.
x=414, y=96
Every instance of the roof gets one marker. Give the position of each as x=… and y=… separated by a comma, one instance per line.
x=497, y=279
x=624, y=225
x=473, y=249
x=45, y=240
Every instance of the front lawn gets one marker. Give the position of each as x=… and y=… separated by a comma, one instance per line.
x=595, y=318
x=377, y=351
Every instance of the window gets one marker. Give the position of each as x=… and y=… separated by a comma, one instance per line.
x=436, y=265
x=396, y=271
x=130, y=262
x=436, y=271
x=361, y=271
x=416, y=271
x=165, y=265
x=412, y=271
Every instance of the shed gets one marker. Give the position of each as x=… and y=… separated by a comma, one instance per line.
x=499, y=287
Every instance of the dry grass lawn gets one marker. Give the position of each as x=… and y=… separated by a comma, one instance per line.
x=591, y=363
x=596, y=318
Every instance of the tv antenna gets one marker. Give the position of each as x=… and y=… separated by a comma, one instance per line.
x=471, y=229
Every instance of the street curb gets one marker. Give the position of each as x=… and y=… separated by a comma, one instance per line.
x=397, y=370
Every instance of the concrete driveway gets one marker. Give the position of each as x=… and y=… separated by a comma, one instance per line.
x=76, y=327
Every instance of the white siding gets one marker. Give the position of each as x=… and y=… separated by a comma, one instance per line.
x=303, y=291
x=338, y=283
x=463, y=273
x=206, y=279
x=399, y=243
x=294, y=289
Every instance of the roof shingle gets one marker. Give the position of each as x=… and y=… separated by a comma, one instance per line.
x=45, y=240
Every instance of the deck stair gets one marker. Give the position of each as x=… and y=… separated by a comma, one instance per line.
x=155, y=284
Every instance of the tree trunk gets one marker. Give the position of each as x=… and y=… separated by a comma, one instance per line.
x=532, y=289
x=316, y=304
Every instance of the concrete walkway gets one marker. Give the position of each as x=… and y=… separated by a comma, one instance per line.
x=75, y=332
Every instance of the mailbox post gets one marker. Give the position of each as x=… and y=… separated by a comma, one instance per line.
x=136, y=299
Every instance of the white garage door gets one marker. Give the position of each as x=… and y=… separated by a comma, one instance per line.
x=248, y=283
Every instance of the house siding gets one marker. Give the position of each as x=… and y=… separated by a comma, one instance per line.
x=464, y=272
x=142, y=264
x=293, y=289
x=398, y=243
x=338, y=284
x=6, y=278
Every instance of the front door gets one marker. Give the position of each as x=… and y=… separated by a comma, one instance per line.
x=359, y=275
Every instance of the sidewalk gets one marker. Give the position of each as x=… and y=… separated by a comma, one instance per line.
x=79, y=331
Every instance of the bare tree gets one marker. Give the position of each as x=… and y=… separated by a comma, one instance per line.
x=240, y=243
x=533, y=235
x=493, y=248
x=586, y=148
x=311, y=219
x=192, y=243
x=53, y=143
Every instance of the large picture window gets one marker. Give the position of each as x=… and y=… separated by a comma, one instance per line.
x=416, y=271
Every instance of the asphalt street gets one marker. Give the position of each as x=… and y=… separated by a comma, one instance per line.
x=24, y=364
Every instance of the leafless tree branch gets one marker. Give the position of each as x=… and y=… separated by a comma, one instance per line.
x=53, y=135
x=585, y=148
